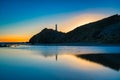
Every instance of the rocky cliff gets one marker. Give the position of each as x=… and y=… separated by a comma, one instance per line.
x=106, y=30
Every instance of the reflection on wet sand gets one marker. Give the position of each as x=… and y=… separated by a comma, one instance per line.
x=109, y=60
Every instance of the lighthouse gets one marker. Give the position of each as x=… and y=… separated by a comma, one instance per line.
x=56, y=27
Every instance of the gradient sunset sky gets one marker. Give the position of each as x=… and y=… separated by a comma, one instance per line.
x=20, y=19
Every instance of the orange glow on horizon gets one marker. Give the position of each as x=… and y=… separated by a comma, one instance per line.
x=14, y=38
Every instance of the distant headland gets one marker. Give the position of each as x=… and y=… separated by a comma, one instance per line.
x=103, y=31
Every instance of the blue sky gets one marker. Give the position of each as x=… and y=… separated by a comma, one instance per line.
x=15, y=12
x=18, y=10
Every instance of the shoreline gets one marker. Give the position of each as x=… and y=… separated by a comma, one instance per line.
x=7, y=44
x=75, y=44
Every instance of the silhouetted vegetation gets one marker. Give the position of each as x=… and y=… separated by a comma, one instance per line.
x=106, y=30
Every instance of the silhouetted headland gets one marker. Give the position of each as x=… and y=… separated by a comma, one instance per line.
x=46, y=36
x=108, y=60
x=105, y=31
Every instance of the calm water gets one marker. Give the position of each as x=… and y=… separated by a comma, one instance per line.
x=59, y=63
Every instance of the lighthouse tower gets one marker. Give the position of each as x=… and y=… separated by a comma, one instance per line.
x=56, y=27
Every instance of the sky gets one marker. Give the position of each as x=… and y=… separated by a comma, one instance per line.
x=21, y=19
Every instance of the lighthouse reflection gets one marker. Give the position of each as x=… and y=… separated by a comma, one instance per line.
x=56, y=57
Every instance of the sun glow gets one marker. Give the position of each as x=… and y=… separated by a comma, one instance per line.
x=81, y=19
x=66, y=22
x=14, y=38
